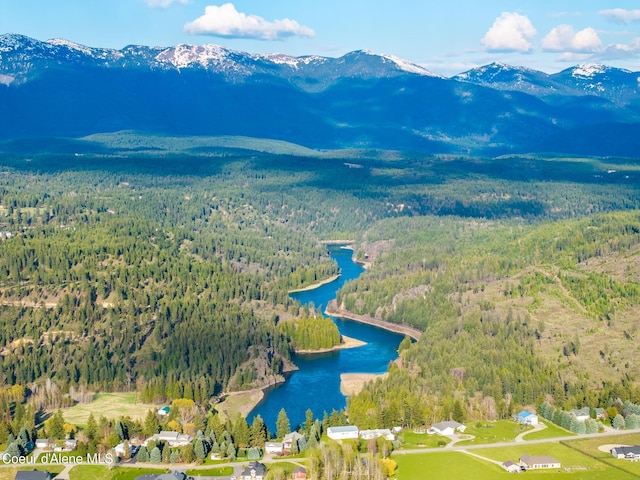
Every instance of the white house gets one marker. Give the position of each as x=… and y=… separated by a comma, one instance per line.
x=275, y=448
x=581, y=414
x=534, y=462
x=289, y=438
x=511, y=467
x=343, y=433
x=447, y=428
x=380, y=432
x=173, y=439
x=630, y=453
x=525, y=417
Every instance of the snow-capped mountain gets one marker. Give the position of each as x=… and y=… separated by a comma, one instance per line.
x=618, y=85
x=615, y=84
x=21, y=56
x=361, y=99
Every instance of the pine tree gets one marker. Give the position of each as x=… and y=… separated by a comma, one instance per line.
x=259, y=432
x=199, y=448
x=308, y=420
x=155, y=456
x=92, y=427
x=282, y=424
x=56, y=426
x=143, y=454
x=151, y=424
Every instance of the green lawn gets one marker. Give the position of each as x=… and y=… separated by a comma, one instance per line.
x=552, y=431
x=445, y=466
x=99, y=472
x=421, y=440
x=590, y=446
x=455, y=465
x=493, y=432
x=211, y=472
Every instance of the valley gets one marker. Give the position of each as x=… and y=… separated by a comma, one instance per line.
x=166, y=275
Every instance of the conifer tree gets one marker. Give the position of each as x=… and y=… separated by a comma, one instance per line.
x=282, y=424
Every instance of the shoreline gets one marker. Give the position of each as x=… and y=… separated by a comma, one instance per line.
x=333, y=310
x=353, y=383
x=313, y=286
x=347, y=342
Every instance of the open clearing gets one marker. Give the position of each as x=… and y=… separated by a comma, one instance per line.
x=111, y=405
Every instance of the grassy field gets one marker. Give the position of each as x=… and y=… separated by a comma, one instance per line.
x=98, y=472
x=450, y=465
x=111, y=405
x=211, y=472
x=446, y=466
x=591, y=447
x=421, y=440
x=493, y=432
x=552, y=431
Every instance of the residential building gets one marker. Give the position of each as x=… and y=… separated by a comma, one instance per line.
x=164, y=411
x=447, y=428
x=175, y=475
x=254, y=471
x=380, y=432
x=581, y=414
x=533, y=462
x=511, y=467
x=33, y=475
x=275, y=448
x=526, y=417
x=343, y=432
x=173, y=439
x=289, y=438
x=299, y=474
x=629, y=453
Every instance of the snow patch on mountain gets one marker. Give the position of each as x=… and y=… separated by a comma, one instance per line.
x=403, y=64
x=589, y=70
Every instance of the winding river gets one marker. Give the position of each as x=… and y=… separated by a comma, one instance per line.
x=316, y=385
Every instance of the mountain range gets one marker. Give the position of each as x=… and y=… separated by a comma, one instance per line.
x=361, y=100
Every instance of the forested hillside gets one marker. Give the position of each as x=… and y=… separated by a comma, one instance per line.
x=163, y=265
x=512, y=314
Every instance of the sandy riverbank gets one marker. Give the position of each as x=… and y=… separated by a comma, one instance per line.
x=316, y=285
x=352, y=383
x=333, y=310
x=347, y=342
x=239, y=402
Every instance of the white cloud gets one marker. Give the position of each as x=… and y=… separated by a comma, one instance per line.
x=621, y=51
x=620, y=15
x=564, y=38
x=511, y=32
x=164, y=3
x=226, y=21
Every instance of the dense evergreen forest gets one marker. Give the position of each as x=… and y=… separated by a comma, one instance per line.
x=166, y=270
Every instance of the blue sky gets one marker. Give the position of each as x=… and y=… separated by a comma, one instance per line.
x=446, y=37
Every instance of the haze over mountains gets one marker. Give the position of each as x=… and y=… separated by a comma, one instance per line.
x=362, y=99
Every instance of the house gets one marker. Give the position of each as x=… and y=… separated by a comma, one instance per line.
x=447, y=428
x=601, y=413
x=531, y=462
x=70, y=444
x=581, y=414
x=254, y=471
x=164, y=411
x=525, y=417
x=299, y=474
x=511, y=467
x=380, y=432
x=343, y=433
x=173, y=439
x=275, y=448
x=44, y=443
x=289, y=438
x=630, y=453
x=33, y=475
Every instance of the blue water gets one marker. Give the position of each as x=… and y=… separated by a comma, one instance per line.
x=316, y=385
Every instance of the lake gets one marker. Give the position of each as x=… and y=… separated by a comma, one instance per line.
x=316, y=385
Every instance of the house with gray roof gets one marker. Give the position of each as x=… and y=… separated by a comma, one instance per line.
x=629, y=453
x=447, y=428
x=343, y=432
x=33, y=475
x=254, y=471
x=534, y=462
